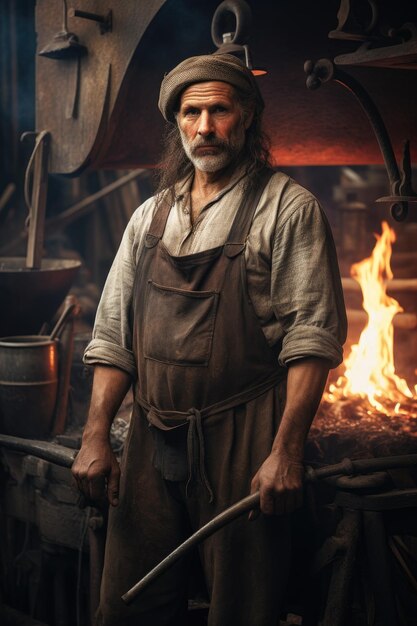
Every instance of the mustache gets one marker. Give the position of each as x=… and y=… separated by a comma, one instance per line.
x=208, y=142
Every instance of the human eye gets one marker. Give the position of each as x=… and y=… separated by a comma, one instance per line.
x=219, y=108
x=190, y=112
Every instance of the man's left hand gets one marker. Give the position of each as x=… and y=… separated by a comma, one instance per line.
x=279, y=481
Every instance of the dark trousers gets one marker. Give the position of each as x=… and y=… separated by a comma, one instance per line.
x=245, y=564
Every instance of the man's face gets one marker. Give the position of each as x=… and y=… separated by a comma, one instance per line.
x=212, y=125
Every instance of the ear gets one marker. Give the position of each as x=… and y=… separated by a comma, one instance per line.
x=248, y=118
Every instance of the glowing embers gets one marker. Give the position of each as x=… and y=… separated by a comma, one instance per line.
x=370, y=373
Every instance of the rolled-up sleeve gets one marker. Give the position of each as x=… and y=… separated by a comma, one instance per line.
x=306, y=291
x=111, y=342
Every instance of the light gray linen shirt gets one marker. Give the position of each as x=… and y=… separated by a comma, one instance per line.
x=292, y=271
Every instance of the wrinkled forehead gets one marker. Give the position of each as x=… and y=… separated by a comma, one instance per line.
x=207, y=92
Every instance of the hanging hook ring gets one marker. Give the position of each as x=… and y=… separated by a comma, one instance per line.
x=243, y=16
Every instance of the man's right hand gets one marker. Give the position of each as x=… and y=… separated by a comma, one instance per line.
x=97, y=472
x=96, y=469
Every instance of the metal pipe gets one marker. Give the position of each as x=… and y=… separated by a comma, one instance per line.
x=395, y=285
x=348, y=467
x=324, y=70
x=345, y=467
x=65, y=457
x=376, y=121
x=96, y=542
x=103, y=21
x=230, y=514
x=53, y=452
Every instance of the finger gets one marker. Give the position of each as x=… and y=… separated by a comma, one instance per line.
x=97, y=488
x=75, y=482
x=254, y=514
x=82, y=484
x=267, y=502
x=76, y=476
x=83, y=498
x=113, y=486
x=254, y=486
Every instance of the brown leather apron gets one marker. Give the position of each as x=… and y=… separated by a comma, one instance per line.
x=198, y=344
x=203, y=365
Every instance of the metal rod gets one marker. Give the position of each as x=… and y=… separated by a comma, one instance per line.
x=39, y=160
x=398, y=284
x=376, y=122
x=64, y=17
x=53, y=452
x=361, y=466
x=70, y=305
x=64, y=328
x=65, y=457
x=402, y=562
x=81, y=208
x=6, y=195
x=104, y=21
x=230, y=514
x=346, y=467
x=407, y=321
x=95, y=17
x=324, y=70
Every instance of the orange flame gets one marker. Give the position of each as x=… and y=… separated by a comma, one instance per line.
x=370, y=371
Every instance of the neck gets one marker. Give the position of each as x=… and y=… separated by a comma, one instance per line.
x=206, y=184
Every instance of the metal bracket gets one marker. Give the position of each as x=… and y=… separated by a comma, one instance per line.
x=397, y=50
x=234, y=42
x=402, y=193
x=381, y=46
x=352, y=25
x=104, y=22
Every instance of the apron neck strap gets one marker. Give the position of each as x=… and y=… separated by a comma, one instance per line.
x=241, y=224
x=159, y=220
x=244, y=216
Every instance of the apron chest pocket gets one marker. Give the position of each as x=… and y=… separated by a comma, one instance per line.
x=179, y=325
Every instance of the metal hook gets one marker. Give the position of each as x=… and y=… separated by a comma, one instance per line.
x=402, y=192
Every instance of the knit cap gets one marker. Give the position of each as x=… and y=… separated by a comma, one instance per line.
x=207, y=67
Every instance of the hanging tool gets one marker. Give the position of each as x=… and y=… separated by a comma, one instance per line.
x=64, y=45
x=36, y=201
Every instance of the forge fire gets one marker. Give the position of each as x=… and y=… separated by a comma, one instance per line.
x=369, y=397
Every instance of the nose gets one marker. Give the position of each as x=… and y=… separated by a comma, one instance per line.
x=205, y=124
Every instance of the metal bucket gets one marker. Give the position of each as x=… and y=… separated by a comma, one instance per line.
x=28, y=385
x=30, y=297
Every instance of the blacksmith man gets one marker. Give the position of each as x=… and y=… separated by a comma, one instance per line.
x=224, y=309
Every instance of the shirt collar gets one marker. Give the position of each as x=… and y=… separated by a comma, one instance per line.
x=183, y=187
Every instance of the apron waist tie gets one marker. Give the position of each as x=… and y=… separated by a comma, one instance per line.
x=196, y=451
x=195, y=439
x=169, y=420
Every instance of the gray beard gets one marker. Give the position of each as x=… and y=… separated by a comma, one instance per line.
x=213, y=162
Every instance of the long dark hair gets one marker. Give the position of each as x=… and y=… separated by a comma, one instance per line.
x=175, y=165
